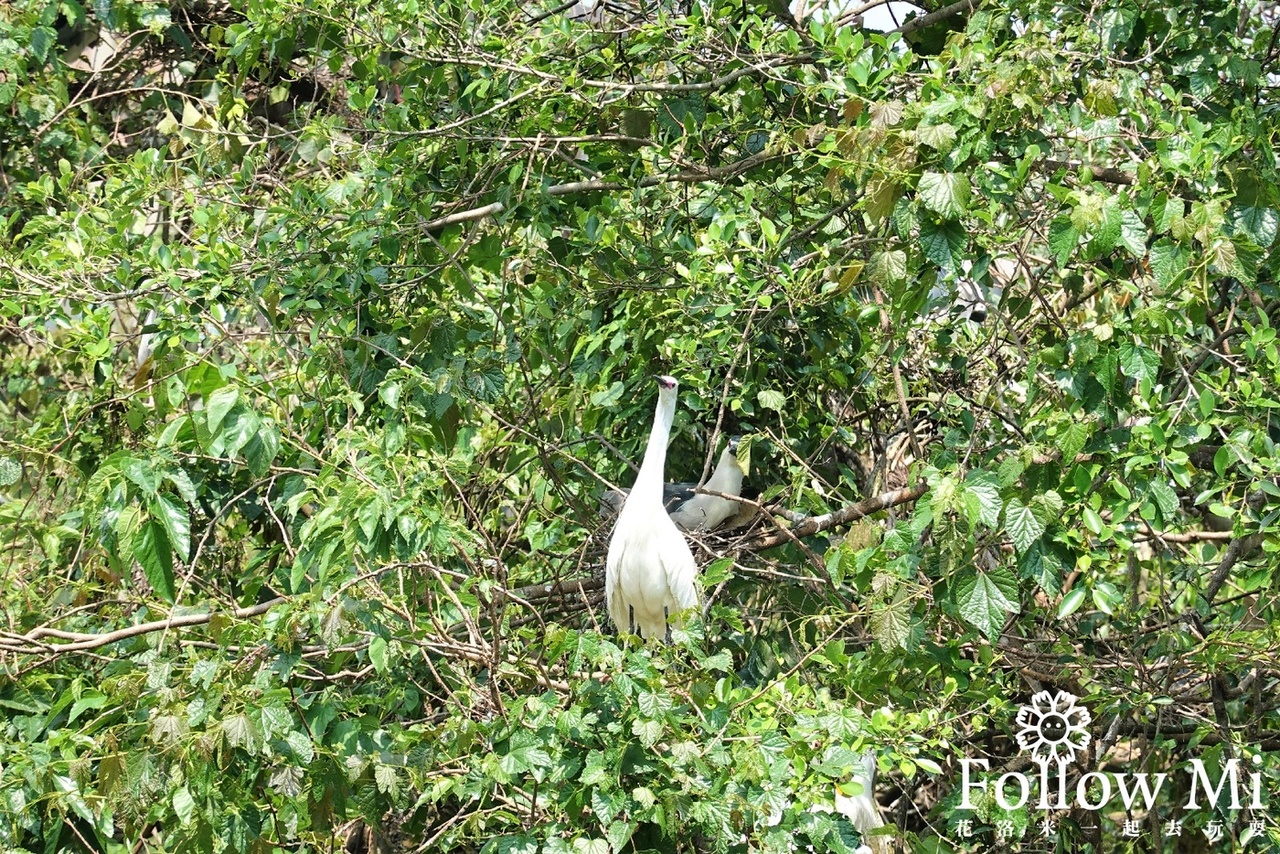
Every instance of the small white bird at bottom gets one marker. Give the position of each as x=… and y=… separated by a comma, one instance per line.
x=650, y=575
x=861, y=809
x=708, y=512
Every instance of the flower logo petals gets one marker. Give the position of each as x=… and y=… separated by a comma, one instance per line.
x=1053, y=727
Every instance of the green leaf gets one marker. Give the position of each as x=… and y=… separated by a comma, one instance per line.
x=1106, y=597
x=240, y=732
x=1092, y=520
x=1072, y=439
x=604, y=803
x=1166, y=211
x=42, y=38
x=524, y=755
x=940, y=137
x=1116, y=23
x=10, y=471
x=1165, y=498
x=596, y=771
x=387, y=780
x=647, y=731
x=1011, y=468
x=369, y=517
x=720, y=569
x=378, y=654
x=744, y=455
x=1064, y=237
x=653, y=705
x=1071, y=602
x=881, y=194
x=609, y=397
x=890, y=624
x=261, y=449
x=987, y=598
x=619, y=834
x=1133, y=233
x=721, y=661
x=771, y=399
x=1207, y=403
x=219, y=404
x=945, y=193
x=1259, y=224
x=151, y=549
x=182, y=482
x=1021, y=523
x=1168, y=262
x=72, y=797
x=981, y=494
x=888, y=267
x=184, y=806
x=166, y=729
x=1138, y=362
x=1047, y=506
x=943, y=243
x=1107, y=231
x=176, y=521
x=89, y=700
x=143, y=473
x=1042, y=566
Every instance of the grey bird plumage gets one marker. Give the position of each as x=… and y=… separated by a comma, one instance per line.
x=705, y=512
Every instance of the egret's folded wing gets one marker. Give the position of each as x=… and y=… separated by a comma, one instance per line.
x=682, y=575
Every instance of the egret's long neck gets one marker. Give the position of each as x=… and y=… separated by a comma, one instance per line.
x=649, y=480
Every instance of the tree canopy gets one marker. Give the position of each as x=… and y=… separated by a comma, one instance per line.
x=324, y=326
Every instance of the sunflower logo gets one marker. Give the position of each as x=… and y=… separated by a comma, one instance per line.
x=1053, y=727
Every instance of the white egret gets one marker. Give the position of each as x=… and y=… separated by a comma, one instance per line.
x=708, y=512
x=650, y=573
x=861, y=809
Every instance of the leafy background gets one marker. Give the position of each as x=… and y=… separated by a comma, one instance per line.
x=326, y=324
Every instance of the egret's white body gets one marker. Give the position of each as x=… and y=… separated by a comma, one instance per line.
x=708, y=512
x=650, y=574
x=861, y=809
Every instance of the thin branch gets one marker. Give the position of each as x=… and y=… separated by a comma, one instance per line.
x=1106, y=174
x=31, y=644
x=689, y=176
x=1237, y=549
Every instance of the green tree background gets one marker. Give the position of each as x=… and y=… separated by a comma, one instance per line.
x=324, y=326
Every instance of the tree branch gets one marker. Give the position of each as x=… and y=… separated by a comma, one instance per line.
x=933, y=17
x=30, y=643
x=1237, y=549
x=844, y=515
x=689, y=176
x=1106, y=174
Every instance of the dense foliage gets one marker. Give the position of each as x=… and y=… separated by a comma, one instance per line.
x=324, y=326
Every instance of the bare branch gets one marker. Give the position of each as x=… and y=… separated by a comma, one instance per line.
x=30, y=644
x=815, y=524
